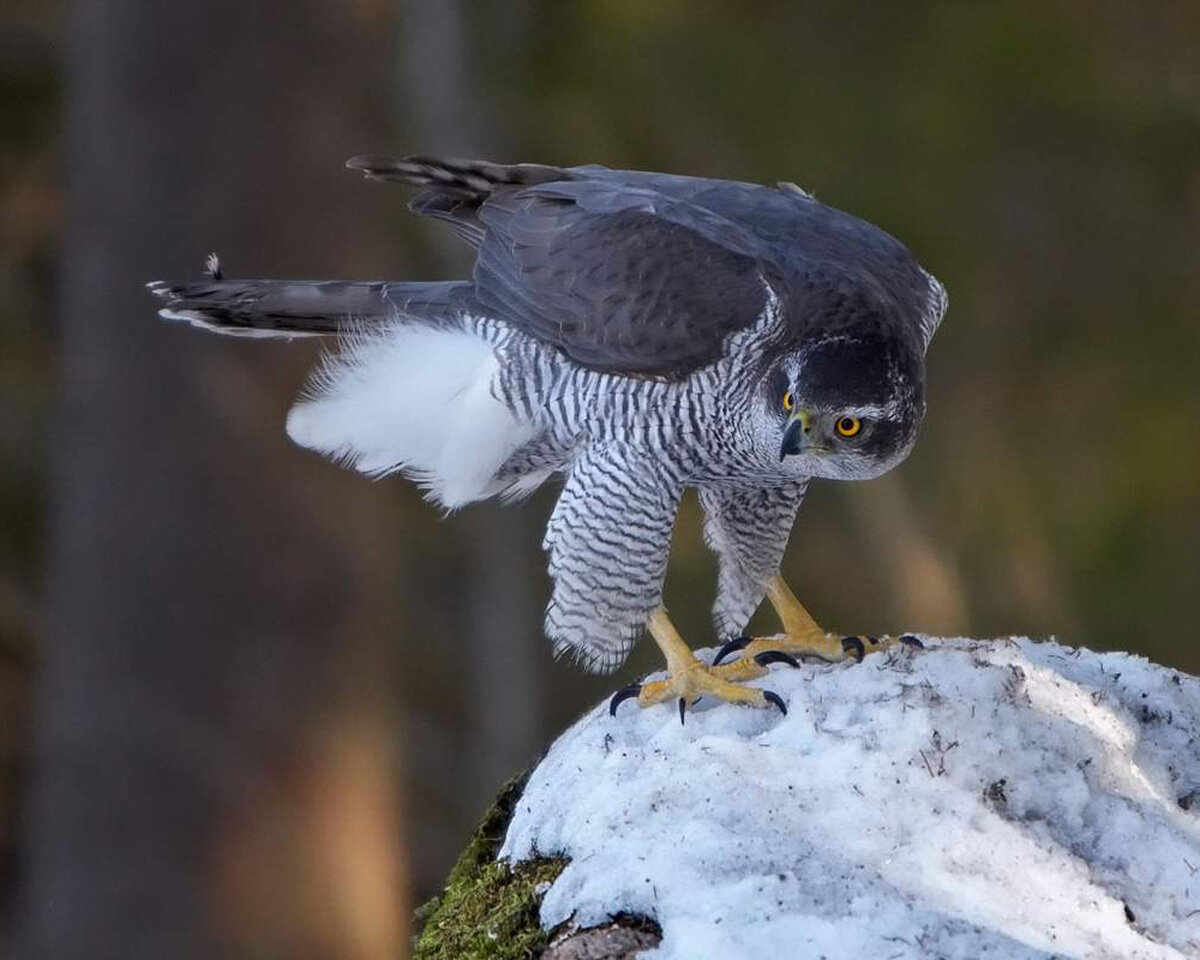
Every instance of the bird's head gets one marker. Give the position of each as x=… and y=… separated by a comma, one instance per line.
x=843, y=407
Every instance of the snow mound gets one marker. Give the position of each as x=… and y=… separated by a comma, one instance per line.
x=1004, y=799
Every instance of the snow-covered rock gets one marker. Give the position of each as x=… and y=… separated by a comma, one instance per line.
x=1005, y=799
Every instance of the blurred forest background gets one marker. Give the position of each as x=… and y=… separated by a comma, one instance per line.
x=251, y=705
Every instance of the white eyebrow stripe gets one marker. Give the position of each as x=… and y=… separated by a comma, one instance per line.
x=874, y=411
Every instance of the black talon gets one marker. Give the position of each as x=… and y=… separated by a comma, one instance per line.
x=854, y=647
x=775, y=656
x=873, y=641
x=913, y=643
x=623, y=694
x=731, y=646
x=772, y=697
x=682, y=709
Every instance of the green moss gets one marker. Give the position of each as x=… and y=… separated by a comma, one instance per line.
x=488, y=909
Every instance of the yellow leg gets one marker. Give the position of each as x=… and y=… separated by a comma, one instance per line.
x=688, y=678
x=802, y=637
x=798, y=624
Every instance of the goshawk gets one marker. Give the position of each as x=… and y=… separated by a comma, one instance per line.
x=638, y=334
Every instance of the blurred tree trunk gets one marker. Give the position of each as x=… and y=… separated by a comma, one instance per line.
x=215, y=771
x=453, y=95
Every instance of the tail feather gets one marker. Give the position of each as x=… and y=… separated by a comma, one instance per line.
x=455, y=189
x=409, y=387
x=302, y=308
x=469, y=177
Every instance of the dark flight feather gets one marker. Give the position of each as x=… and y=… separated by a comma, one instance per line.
x=303, y=308
x=623, y=271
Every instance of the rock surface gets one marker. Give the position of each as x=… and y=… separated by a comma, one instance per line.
x=1003, y=799
x=623, y=939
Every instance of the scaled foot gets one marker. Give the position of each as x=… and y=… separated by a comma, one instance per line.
x=688, y=678
x=802, y=637
x=761, y=651
x=689, y=685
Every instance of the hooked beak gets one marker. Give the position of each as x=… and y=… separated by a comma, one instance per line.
x=795, y=434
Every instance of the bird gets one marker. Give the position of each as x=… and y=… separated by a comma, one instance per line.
x=634, y=335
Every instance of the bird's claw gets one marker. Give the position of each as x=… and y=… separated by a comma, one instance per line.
x=730, y=646
x=854, y=647
x=763, y=659
x=632, y=690
x=769, y=696
x=858, y=647
x=768, y=657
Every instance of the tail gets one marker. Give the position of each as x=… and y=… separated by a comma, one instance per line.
x=410, y=389
x=301, y=308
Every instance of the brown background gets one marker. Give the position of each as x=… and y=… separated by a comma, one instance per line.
x=249, y=704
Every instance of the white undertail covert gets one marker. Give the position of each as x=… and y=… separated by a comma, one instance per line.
x=412, y=399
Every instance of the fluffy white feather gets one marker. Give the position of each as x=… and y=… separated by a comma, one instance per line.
x=413, y=399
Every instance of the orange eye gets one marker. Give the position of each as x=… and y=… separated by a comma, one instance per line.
x=848, y=426
x=789, y=402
